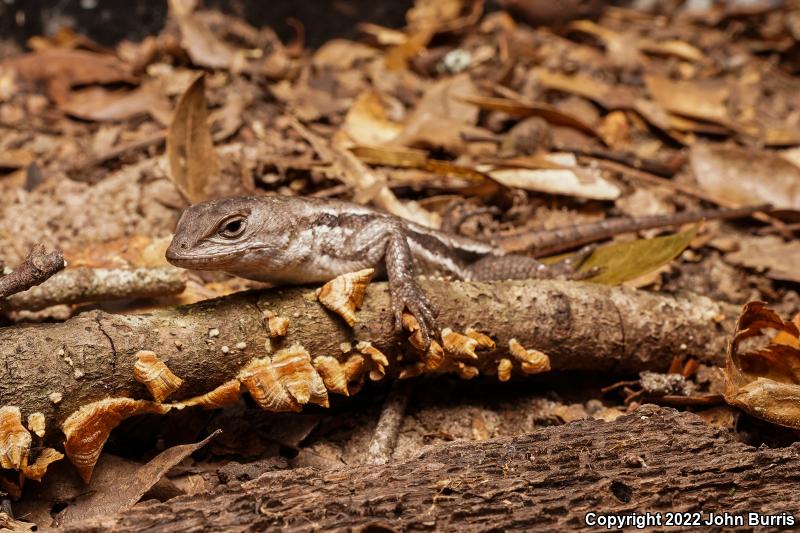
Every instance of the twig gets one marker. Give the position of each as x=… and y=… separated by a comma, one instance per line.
x=384, y=439
x=37, y=267
x=98, y=285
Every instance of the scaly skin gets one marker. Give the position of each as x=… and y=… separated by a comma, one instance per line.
x=294, y=240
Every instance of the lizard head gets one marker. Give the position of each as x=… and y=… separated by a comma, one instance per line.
x=222, y=234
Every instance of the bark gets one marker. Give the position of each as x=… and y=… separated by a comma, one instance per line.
x=580, y=326
x=82, y=285
x=37, y=267
x=653, y=460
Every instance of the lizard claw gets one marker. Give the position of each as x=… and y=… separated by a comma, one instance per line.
x=410, y=296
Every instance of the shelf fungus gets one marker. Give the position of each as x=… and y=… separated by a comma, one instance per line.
x=485, y=342
x=376, y=357
x=531, y=361
x=284, y=382
x=344, y=294
x=38, y=469
x=276, y=325
x=36, y=423
x=15, y=440
x=504, y=367
x=154, y=374
x=459, y=346
x=466, y=371
x=88, y=428
x=333, y=374
x=222, y=396
x=434, y=357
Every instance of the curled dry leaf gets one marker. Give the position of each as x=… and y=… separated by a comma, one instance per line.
x=459, y=346
x=504, y=368
x=531, y=361
x=744, y=176
x=15, y=441
x=277, y=325
x=763, y=379
x=36, y=423
x=88, y=428
x=344, y=294
x=154, y=374
x=190, y=148
x=222, y=396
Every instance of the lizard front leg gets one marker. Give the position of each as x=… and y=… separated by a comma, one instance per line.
x=404, y=290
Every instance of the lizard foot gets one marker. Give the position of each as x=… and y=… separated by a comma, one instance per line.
x=410, y=296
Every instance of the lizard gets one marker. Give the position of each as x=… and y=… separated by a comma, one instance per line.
x=289, y=240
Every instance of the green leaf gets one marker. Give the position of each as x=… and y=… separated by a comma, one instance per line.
x=625, y=261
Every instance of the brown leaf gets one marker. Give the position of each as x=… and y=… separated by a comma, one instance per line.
x=118, y=484
x=764, y=381
x=746, y=176
x=190, y=149
x=570, y=180
x=367, y=121
x=778, y=258
x=704, y=100
x=71, y=67
x=96, y=103
x=203, y=47
x=527, y=109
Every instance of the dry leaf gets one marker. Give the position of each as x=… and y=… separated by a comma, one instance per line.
x=118, y=484
x=571, y=181
x=203, y=47
x=96, y=103
x=190, y=150
x=367, y=121
x=764, y=380
x=527, y=109
x=744, y=176
x=778, y=258
x=704, y=100
x=629, y=260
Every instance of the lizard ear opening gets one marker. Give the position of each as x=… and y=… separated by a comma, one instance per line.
x=232, y=227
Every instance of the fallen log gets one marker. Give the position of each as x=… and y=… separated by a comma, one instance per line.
x=55, y=369
x=654, y=460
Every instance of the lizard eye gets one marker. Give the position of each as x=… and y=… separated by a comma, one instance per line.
x=232, y=227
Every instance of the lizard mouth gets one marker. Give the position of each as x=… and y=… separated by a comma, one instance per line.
x=177, y=256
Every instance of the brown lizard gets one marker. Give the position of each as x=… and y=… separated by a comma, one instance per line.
x=296, y=240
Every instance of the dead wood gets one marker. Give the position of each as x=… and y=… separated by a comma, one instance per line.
x=580, y=326
x=655, y=459
x=82, y=285
x=37, y=267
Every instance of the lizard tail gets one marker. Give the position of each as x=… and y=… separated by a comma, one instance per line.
x=549, y=242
